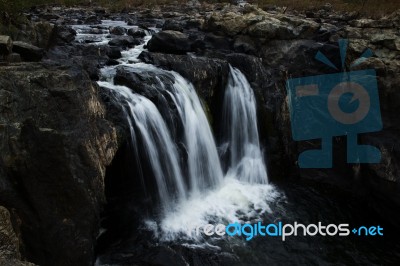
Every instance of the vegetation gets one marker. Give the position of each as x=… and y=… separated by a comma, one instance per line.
x=368, y=7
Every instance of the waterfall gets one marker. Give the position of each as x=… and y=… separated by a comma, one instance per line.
x=202, y=162
x=174, y=145
x=143, y=116
x=200, y=170
x=204, y=165
x=240, y=131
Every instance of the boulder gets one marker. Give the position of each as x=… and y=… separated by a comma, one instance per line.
x=124, y=41
x=5, y=45
x=28, y=51
x=136, y=33
x=62, y=35
x=117, y=30
x=173, y=24
x=114, y=52
x=172, y=42
x=42, y=34
x=231, y=23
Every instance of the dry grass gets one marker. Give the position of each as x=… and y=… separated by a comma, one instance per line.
x=374, y=8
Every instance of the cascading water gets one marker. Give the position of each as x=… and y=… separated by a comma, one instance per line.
x=192, y=187
x=203, y=161
x=240, y=130
x=143, y=116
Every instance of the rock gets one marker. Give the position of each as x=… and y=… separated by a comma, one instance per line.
x=260, y=24
x=173, y=24
x=372, y=23
x=43, y=32
x=231, y=23
x=213, y=41
x=28, y=51
x=169, y=41
x=208, y=75
x=114, y=52
x=136, y=33
x=379, y=35
x=244, y=44
x=112, y=62
x=124, y=41
x=57, y=146
x=117, y=30
x=92, y=20
x=155, y=87
x=9, y=242
x=5, y=45
x=62, y=35
x=14, y=58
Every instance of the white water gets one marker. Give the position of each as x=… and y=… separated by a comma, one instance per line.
x=203, y=161
x=202, y=193
x=159, y=148
x=240, y=128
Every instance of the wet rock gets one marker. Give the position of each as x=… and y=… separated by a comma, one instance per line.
x=124, y=41
x=136, y=33
x=117, y=30
x=169, y=41
x=114, y=53
x=112, y=62
x=208, y=75
x=28, y=51
x=92, y=20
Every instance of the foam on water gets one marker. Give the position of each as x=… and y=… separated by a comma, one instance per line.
x=233, y=201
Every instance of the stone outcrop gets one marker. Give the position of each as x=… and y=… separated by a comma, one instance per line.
x=53, y=161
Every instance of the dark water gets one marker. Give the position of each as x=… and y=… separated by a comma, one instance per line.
x=304, y=201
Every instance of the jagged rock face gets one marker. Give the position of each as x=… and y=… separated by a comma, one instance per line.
x=53, y=161
x=9, y=242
